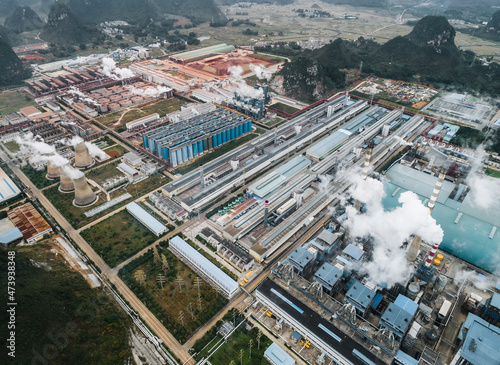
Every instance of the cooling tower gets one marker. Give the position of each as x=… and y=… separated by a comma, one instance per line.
x=82, y=156
x=84, y=195
x=66, y=185
x=52, y=171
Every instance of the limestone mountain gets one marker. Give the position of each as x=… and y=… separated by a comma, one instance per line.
x=23, y=19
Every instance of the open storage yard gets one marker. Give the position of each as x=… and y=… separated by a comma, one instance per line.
x=167, y=303
x=118, y=237
x=11, y=102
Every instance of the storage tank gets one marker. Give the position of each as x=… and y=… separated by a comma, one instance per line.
x=441, y=283
x=66, y=185
x=84, y=196
x=412, y=291
x=439, y=257
x=437, y=262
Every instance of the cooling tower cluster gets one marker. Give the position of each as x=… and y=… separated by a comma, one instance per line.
x=66, y=185
x=84, y=195
x=82, y=156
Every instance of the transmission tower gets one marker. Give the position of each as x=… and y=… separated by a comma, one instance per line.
x=140, y=277
x=241, y=356
x=259, y=335
x=181, y=318
x=161, y=280
x=250, y=344
x=165, y=265
x=180, y=281
x=190, y=308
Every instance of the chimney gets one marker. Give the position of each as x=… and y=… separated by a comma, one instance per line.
x=84, y=196
x=402, y=112
x=346, y=98
x=412, y=252
x=82, y=156
x=432, y=253
x=266, y=213
x=368, y=158
x=435, y=192
x=52, y=171
x=66, y=185
x=202, y=178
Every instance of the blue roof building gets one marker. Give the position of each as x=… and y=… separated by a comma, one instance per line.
x=471, y=318
x=403, y=358
x=407, y=304
x=492, y=309
x=301, y=259
x=277, y=356
x=396, y=319
x=328, y=276
x=480, y=346
x=10, y=236
x=353, y=252
x=360, y=297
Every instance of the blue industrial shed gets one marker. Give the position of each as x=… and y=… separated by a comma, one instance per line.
x=480, y=346
x=277, y=356
x=360, y=297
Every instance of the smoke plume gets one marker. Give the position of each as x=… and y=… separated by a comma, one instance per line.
x=261, y=72
x=75, y=91
x=150, y=91
x=108, y=68
x=243, y=90
x=30, y=144
x=95, y=151
x=389, y=229
x=72, y=172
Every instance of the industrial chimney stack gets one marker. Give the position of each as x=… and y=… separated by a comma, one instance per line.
x=66, y=185
x=52, y=171
x=368, y=158
x=82, y=156
x=84, y=196
x=266, y=213
x=435, y=192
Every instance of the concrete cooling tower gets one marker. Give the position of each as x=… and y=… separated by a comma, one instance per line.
x=82, y=156
x=84, y=196
x=52, y=171
x=66, y=185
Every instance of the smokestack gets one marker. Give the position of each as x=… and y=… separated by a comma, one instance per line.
x=432, y=253
x=368, y=158
x=346, y=98
x=402, y=112
x=82, y=156
x=66, y=185
x=412, y=252
x=435, y=192
x=266, y=213
x=84, y=196
x=202, y=178
x=52, y=171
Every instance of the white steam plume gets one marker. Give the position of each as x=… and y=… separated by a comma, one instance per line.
x=150, y=92
x=72, y=172
x=482, y=283
x=402, y=141
x=31, y=144
x=75, y=91
x=109, y=69
x=484, y=190
x=261, y=72
x=95, y=151
x=389, y=229
x=243, y=89
x=72, y=142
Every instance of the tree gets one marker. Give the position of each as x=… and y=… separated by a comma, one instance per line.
x=156, y=255
x=164, y=263
x=82, y=46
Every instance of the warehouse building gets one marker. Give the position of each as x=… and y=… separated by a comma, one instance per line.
x=277, y=356
x=141, y=122
x=29, y=221
x=147, y=219
x=7, y=187
x=360, y=297
x=204, y=267
x=181, y=142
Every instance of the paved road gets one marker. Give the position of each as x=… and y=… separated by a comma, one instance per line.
x=106, y=271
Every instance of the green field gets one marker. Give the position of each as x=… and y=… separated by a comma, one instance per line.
x=167, y=303
x=118, y=237
x=13, y=101
x=103, y=173
x=238, y=341
x=37, y=177
x=59, y=318
x=161, y=107
x=493, y=173
x=219, y=151
x=12, y=146
x=285, y=108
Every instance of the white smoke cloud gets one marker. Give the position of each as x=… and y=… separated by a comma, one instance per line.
x=95, y=151
x=243, y=90
x=389, y=229
x=72, y=172
x=75, y=91
x=30, y=144
x=482, y=283
x=261, y=72
x=108, y=68
x=150, y=91
x=484, y=191
x=402, y=141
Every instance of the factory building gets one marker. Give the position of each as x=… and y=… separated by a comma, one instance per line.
x=132, y=159
x=325, y=336
x=168, y=206
x=199, y=263
x=147, y=219
x=277, y=356
x=7, y=187
x=29, y=221
x=181, y=142
x=276, y=179
x=324, y=244
x=301, y=260
x=252, y=106
x=360, y=297
x=329, y=276
x=141, y=122
x=398, y=316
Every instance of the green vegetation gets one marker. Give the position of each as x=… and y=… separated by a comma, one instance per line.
x=238, y=341
x=468, y=137
x=219, y=151
x=37, y=177
x=23, y=19
x=166, y=304
x=15, y=100
x=115, y=150
x=12, y=146
x=271, y=57
x=118, y=237
x=493, y=173
x=161, y=107
x=285, y=108
x=276, y=122
x=103, y=173
x=60, y=319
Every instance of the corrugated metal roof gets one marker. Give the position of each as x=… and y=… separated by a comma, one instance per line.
x=147, y=219
x=495, y=301
x=481, y=344
x=205, y=265
x=299, y=258
x=127, y=169
x=360, y=295
x=328, y=275
x=7, y=187
x=407, y=304
x=278, y=356
x=11, y=235
x=354, y=251
x=28, y=220
x=396, y=319
x=322, y=148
